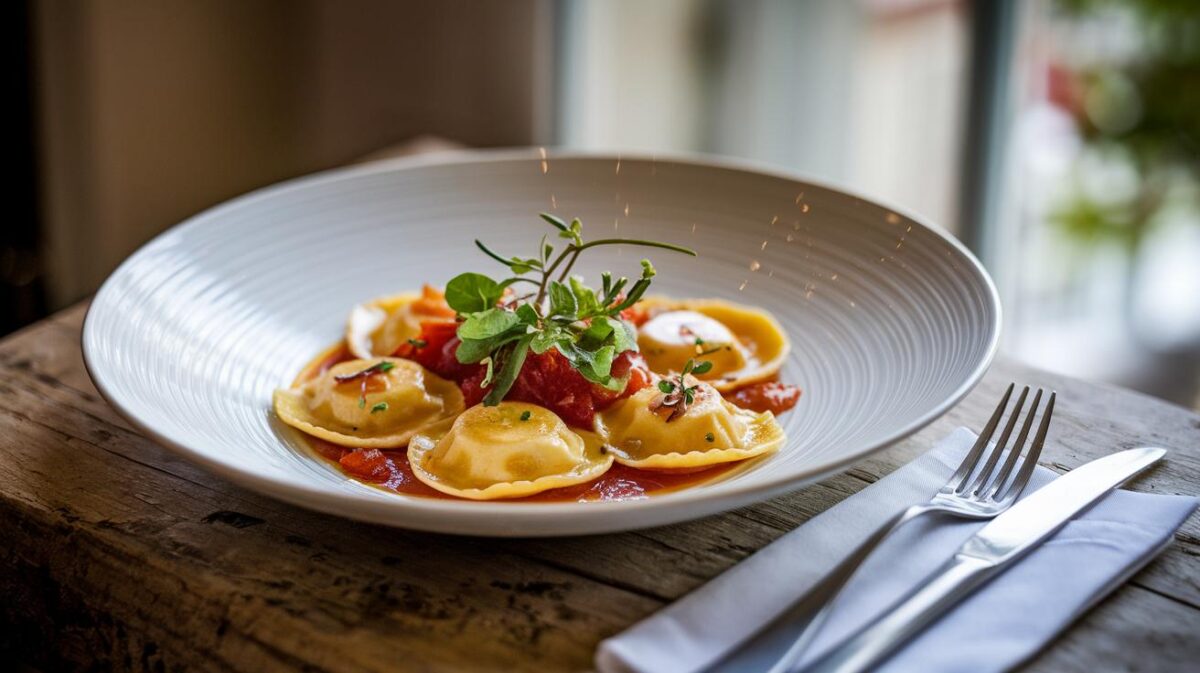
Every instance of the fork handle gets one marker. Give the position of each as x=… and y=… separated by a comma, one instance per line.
x=944, y=588
x=837, y=579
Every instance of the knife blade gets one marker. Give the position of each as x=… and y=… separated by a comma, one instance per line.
x=986, y=554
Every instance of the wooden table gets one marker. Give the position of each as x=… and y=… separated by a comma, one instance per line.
x=115, y=553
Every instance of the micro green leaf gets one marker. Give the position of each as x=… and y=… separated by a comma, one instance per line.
x=555, y=221
x=564, y=313
x=472, y=292
x=487, y=324
x=513, y=358
x=562, y=300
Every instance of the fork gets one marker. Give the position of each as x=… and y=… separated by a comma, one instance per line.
x=983, y=497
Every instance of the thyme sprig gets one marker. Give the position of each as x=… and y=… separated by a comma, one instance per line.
x=564, y=313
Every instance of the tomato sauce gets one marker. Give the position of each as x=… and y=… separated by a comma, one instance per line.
x=546, y=379
x=390, y=470
x=770, y=396
x=548, y=384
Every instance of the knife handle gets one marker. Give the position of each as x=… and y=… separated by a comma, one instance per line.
x=896, y=625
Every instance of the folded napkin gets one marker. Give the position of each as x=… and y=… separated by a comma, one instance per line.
x=1000, y=625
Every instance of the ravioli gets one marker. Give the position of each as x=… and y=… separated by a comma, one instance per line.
x=381, y=408
x=710, y=431
x=745, y=345
x=510, y=450
x=382, y=325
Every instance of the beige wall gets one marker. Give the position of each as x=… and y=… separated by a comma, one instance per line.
x=152, y=110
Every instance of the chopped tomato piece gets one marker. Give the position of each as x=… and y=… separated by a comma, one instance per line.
x=770, y=396
x=435, y=350
x=432, y=303
x=550, y=381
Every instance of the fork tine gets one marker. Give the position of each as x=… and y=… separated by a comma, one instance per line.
x=1014, y=454
x=972, y=458
x=1035, y=451
x=1001, y=443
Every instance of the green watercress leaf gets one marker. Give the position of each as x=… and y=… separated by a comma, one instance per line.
x=487, y=324
x=586, y=304
x=513, y=357
x=562, y=301
x=472, y=292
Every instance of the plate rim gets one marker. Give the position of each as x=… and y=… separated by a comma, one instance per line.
x=398, y=510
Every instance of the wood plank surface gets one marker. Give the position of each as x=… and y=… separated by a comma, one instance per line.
x=116, y=554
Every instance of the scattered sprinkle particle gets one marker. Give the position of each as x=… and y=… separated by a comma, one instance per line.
x=525, y=415
x=709, y=437
x=545, y=164
x=804, y=208
x=743, y=285
x=693, y=227
x=774, y=220
x=618, y=170
x=833, y=277
x=791, y=237
x=763, y=246
x=382, y=406
x=626, y=210
x=892, y=218
x=553, y=203
x=754, y=265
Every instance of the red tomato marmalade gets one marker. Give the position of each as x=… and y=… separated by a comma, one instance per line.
x=547, y=380
x=770, y=396
x=390, y=470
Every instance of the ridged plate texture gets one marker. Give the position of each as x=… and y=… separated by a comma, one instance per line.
x=891, y=320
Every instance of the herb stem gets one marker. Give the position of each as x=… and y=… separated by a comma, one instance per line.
x=635, y=241
x=489, y=253
x=567, y=269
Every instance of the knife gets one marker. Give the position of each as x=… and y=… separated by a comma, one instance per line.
x=989, y=552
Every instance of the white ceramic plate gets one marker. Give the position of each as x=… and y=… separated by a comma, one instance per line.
x=891, y=320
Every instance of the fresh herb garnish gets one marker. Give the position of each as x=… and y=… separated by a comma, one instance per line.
x=382, y=406
x=377, y=368
x=418, y=343
x=364, y=374
x=677, y=394
x=581, y=323
x=525, y=415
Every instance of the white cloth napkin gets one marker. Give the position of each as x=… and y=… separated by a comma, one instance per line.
x=994, y=629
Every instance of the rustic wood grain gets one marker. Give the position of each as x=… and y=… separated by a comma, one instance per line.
x=118, y=554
